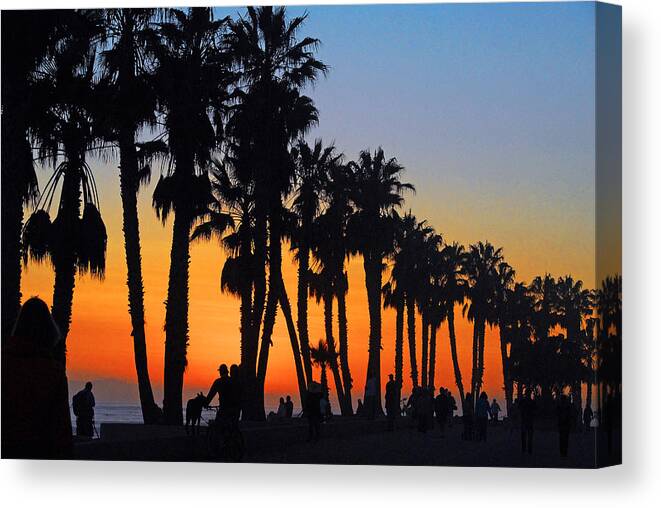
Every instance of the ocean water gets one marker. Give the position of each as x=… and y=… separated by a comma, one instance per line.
x=127, y=413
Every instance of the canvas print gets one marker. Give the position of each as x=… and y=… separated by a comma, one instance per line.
x=359, y=234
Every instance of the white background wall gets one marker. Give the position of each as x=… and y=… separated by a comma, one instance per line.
x=636, y=483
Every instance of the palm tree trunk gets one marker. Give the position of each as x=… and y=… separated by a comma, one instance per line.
x=286, y=310
x=425, y=350
x=410, y=319
x=302, y=305
x=480, y=370
x=507, y=381
x=16, y=168
x=330, y=341
x=432, y=355
x=64, y=259
x=176, y=319
x=373, y=284
x=347, y=382
x=399, y=346
x=128, y=189
x=476, y=341
x=455, y=358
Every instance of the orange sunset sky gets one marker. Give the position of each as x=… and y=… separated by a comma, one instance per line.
x=494, y=123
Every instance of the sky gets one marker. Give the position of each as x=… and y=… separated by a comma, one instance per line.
x=491, y=110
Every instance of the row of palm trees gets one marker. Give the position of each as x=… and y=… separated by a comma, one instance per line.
x=220, y=105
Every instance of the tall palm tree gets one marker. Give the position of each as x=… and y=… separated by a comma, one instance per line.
x=274, y=66
x=378, y=191
x=129, y=104
x=311, y=171
x=504, y=281
x=480, y=270
x=429, y=243
x=454, y=289
x=322, y=287
x=574, y=306
x=192, y=82
x=232, y=210
x=76, y=239
x=27, y=37
x=393, y=297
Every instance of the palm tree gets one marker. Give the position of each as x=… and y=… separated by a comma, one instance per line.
x=504, y=281
x=27, y=36
x=429, y=243
x=321, y=356
x=192, y=83
x=454, y=289
x=322, y=287
x=574, y=306
x=480, y=269
x=311, y=171
x=274, y=66
x=76, y=239
x=393, y=297
x=129, y=103
x=377, y=192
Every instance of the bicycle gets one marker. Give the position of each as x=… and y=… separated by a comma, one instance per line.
x=224, y=438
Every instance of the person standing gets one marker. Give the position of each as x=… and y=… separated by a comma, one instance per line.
x=441, y=406
x=495, y=409
x=392, y=401
x=36, y=423
x=289, y=406
x=467, y=417
x=83, y=407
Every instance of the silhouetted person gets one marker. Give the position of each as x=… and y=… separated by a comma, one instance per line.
x=282, y=409
x=441, y=408
x=467, y=417
x=371, y=397
x=564, y=411
x=360, y=409
x=83, y=407
x=482, y=412
x=221, y=387
x=312, y=410
x=289, y=407
x=527, y=410
x=495, y=409
x=36, y=423
x=392, y=401
x=452, y=407
x=587, y=418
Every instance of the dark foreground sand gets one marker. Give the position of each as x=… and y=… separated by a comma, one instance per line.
x=407, y=446
x=357, y=441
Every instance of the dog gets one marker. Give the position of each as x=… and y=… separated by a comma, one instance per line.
x=194, y=412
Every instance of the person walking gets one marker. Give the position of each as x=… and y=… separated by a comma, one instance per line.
x=36, y=423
